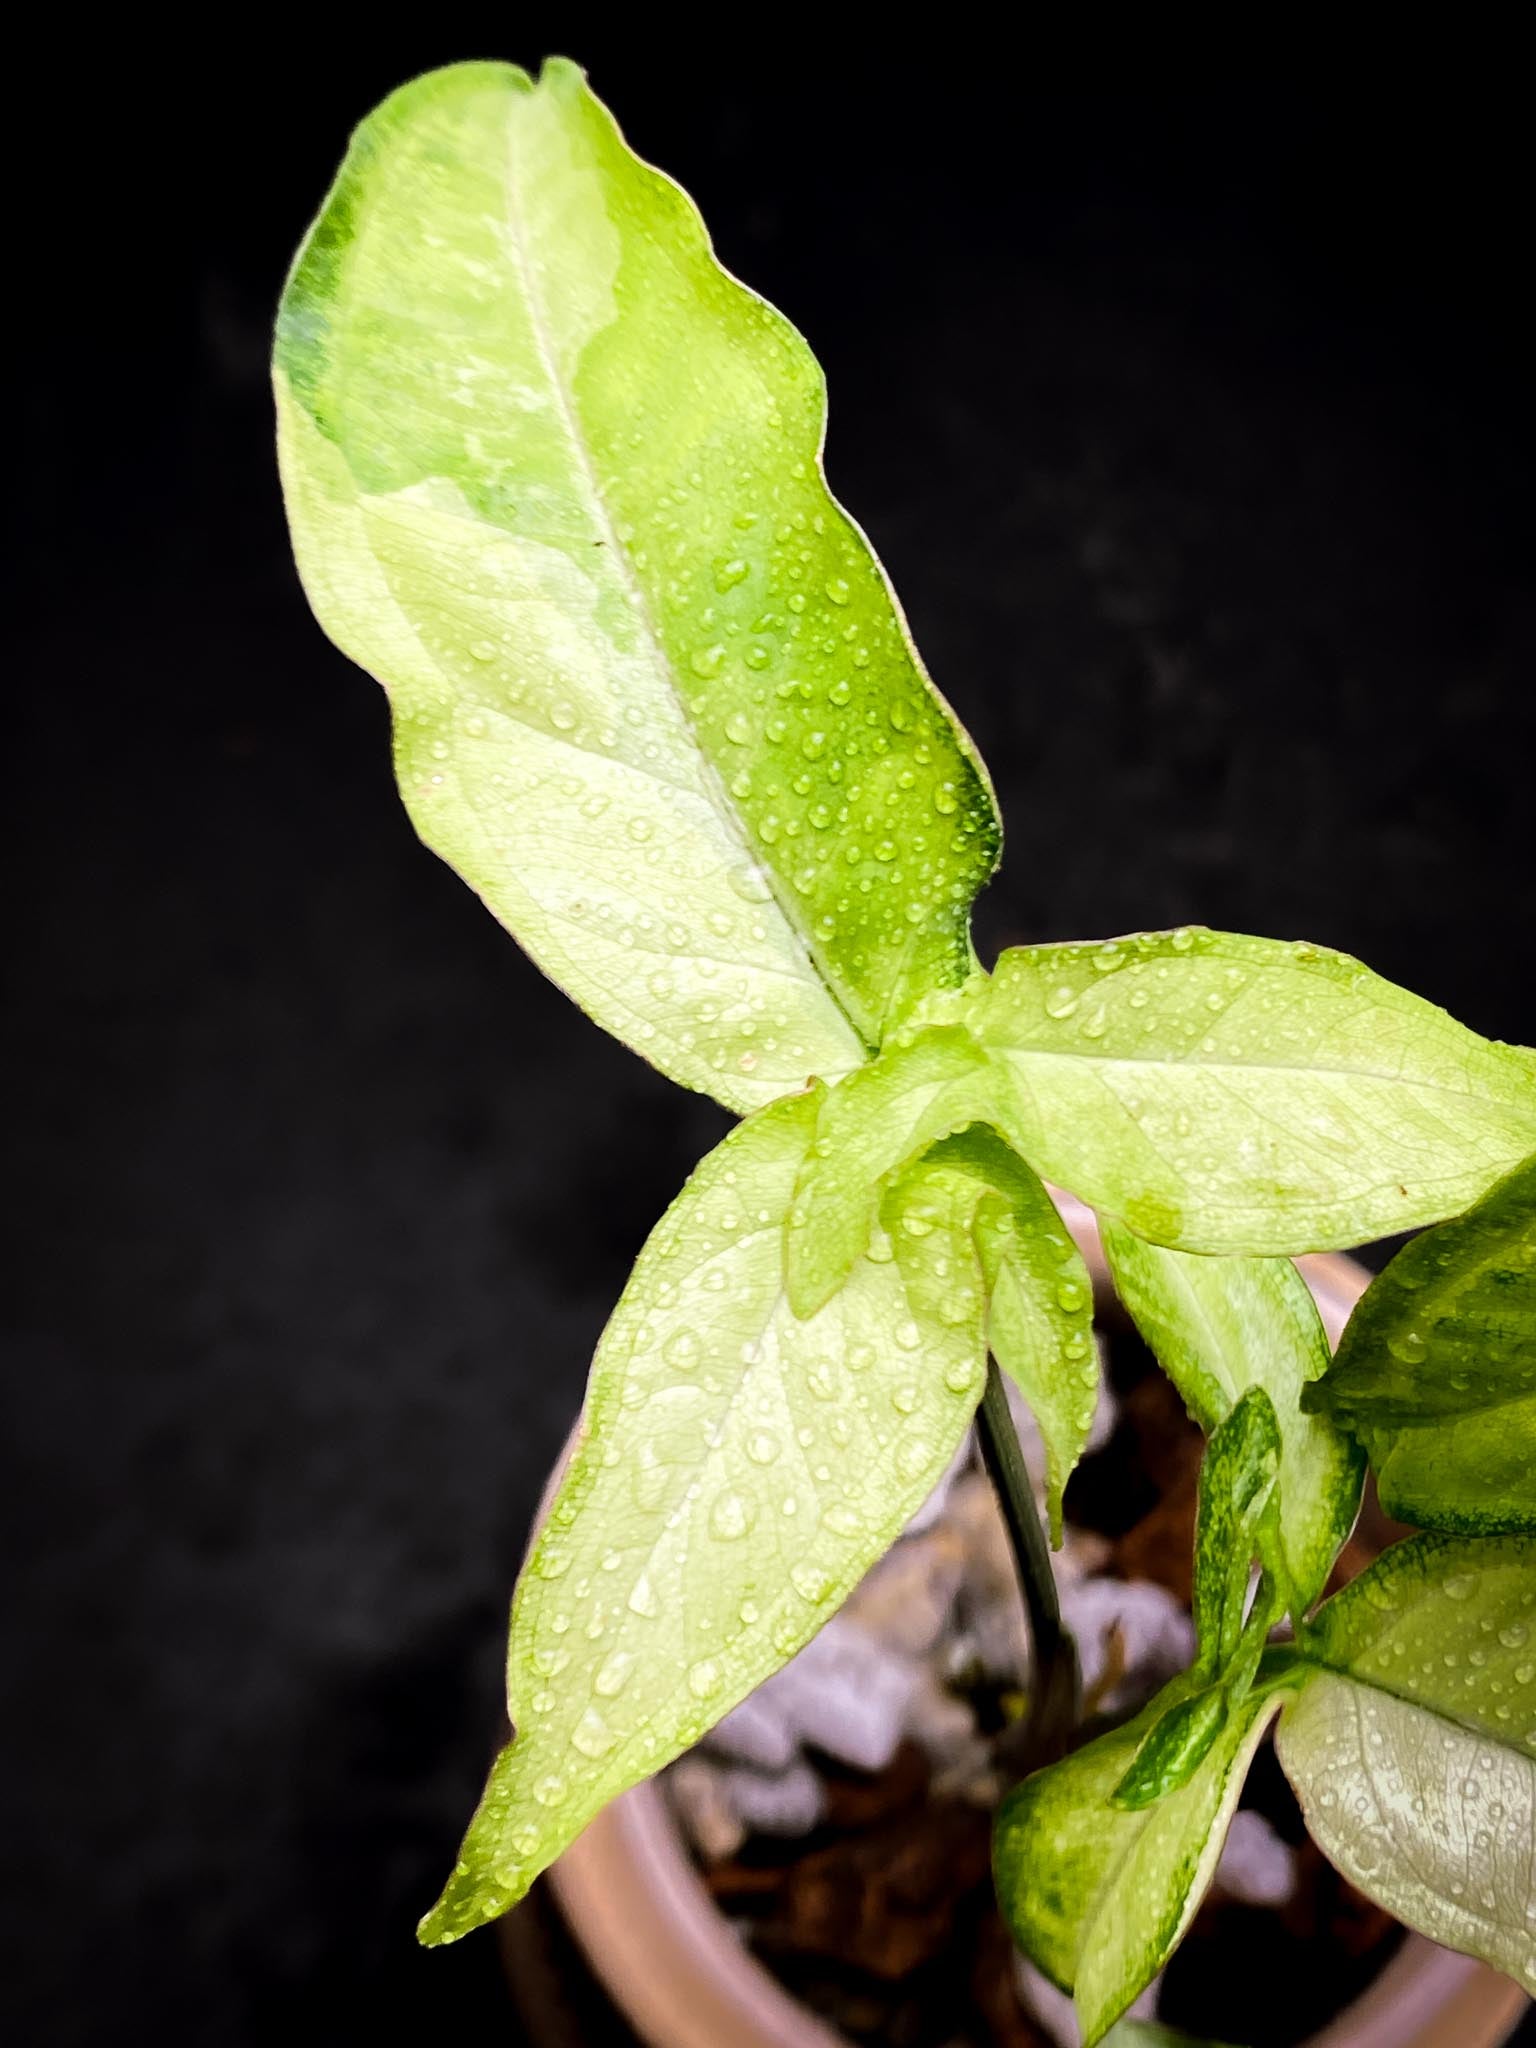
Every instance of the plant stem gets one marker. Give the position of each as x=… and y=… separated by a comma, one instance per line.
x=1053, y=1690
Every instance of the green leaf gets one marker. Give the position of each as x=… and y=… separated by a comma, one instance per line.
x=874, y=1123
x=1039, y=1307
x=1098, y=1896
x=1174, y=1750
x=1219, y=1326
x=1436, y=1370
x=1413, y=1752
x=1237, y=1484
x=1039, y=1292
x=737, y=1471
x=554, y=477
x=1238, y=1095
x=1148, y=2034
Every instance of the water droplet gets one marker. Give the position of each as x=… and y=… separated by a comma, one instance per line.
x=706, y=661
x=908, y=1336
x=704, y=1679
x=762, y=1447
x=1061, y=1001
x=1409, y=1346
x=810, y=1582
x=738, y=728
x=728, y=574
x=731, y=1515
x=642, y=1600
x=682, y=1350
x=837, y=590
x=592, y=1735
x=550, y=1790
x=842, y=1520
x=613, y=1674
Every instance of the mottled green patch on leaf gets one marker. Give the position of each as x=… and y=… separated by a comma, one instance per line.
x=1098, y=1895
x=1436, y=1371
x=554, y=478
x=1237, y=1486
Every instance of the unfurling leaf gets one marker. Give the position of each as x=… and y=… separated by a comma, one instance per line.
x=737, y=1471
x=554, y=477
x=1237, y=1484
x=1413, y=1748
x=1436, y=1371
x=1228, y=1094
x=1098, y=1895
x=1219, y=1326
x=1235, y=1523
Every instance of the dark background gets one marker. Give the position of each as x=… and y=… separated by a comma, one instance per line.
x=1193, y=423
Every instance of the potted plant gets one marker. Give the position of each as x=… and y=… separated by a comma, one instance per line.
x=554, y=477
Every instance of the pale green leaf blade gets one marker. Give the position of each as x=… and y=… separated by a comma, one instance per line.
x=880, y=1119
x=1148, y=2034
x=1039, y=1293
x=1039, y=1305
x=1229, y=1094
x=1413, y=1752
x=1219, y=1326
x=1436, y=1370
x=738, y=1470
x=1099, y=1896
x=554, y=477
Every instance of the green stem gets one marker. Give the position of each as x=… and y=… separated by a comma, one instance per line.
x=1053, y=1691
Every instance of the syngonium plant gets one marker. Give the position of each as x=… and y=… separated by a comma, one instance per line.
x=555, y=478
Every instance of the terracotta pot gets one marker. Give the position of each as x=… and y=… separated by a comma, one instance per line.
x=676, y=1970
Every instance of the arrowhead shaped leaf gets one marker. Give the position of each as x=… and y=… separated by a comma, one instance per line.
x=1413, y=1751
x=1436, y=1370
x=1219, y=1326
x=554, y=478
x=1098, y=1896
x=1238, y=1095
x=738, y=1470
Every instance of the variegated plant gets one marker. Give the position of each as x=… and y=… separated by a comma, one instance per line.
x=554, y=477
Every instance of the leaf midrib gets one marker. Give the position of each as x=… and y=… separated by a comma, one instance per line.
x=518, y=252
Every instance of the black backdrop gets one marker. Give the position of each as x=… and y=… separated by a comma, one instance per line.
x=1192, y=421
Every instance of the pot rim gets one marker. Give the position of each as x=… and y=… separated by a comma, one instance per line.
x=672, y=1964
